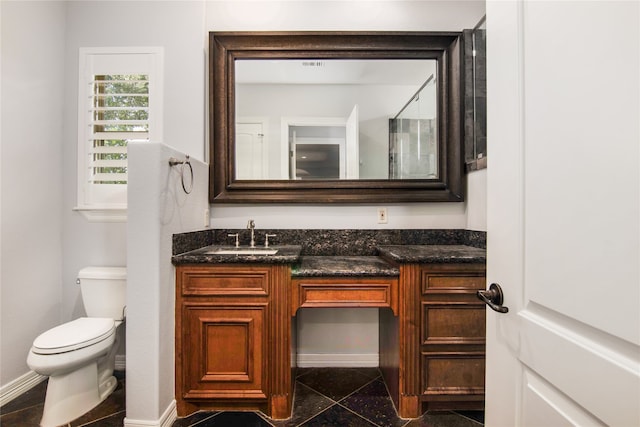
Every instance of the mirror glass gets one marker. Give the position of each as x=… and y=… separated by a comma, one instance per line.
x=335, y=117
x=328, y=119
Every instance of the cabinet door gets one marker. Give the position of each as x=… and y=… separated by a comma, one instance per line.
x=227, y=356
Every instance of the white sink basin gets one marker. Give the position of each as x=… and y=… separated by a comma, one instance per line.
x=243, y=251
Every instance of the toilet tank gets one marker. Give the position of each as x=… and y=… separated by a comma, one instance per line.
x=104, y=291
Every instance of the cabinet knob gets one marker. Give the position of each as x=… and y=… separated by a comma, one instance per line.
x=493, y=298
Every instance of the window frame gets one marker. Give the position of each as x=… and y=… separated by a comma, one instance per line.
x=108, y=202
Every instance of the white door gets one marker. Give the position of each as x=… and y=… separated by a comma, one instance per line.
x=353, y=145
x=563, y=230
x=251, y=151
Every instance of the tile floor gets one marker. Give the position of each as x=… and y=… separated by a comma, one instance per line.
x=354, y=397
x=26, y=410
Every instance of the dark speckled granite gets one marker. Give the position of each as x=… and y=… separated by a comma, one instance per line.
x=346, y=266
x=332, y=242
x=285, y=255
x=185, y=242
x=433, y=254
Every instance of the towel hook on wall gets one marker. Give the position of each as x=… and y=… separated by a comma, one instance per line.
x=174, y=162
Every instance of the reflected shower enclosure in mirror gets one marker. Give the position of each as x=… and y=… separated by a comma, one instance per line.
x=335, y=117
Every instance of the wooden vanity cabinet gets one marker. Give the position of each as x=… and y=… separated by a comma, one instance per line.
x=233, y=338
x=442, y=338
x=233, y=334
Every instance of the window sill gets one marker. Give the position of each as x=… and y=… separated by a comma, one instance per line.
x=106, y=214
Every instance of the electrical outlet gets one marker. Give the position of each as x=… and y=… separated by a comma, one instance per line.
x=382, y=216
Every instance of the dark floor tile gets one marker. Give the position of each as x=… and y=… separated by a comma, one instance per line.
x=234, y=419
x=28, y=417
x=373, y=403
x=32, y=397
x=113, y=404
x=114, y=420
x=336, y=383
x=337, y=416
x=477, y=416
x=358, y=390
x=442, y=419
x=306, y=404
x=371, y=373
x=193, y=419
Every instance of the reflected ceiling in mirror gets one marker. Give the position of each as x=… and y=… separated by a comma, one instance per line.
x=291, y=113
x=287, y=138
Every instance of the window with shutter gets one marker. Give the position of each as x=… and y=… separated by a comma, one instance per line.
x=119, y=112
x=119, y=101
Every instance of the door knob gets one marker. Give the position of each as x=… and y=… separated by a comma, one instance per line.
x=493, y=298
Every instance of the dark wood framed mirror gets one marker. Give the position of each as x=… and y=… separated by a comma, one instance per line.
x=419, y=157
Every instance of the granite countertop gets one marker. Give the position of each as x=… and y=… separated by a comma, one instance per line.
x=343, y=266
x=384, y=264
x=289, y=254
x=405, y=254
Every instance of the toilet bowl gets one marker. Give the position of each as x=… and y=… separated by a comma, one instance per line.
x=79, y=356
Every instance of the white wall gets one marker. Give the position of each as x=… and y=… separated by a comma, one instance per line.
x=477, y=200
x=31, y=178
x=158, y=208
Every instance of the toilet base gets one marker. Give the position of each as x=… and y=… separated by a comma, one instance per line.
x=71, y=395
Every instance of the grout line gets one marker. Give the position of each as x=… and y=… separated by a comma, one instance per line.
x=356, y=390
x=408, y=420
x=315, y=415
x=362, y=416
x=205, y=419
x=265, y=418
x=321, y=394
x=100, y=419
x=359, y=415
x=467, y=418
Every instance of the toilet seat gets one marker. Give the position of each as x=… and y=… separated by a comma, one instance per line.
x=74, y=335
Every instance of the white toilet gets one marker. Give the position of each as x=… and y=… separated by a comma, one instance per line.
x=79, y=356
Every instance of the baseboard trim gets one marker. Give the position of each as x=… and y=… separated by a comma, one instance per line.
x=166, y=420
x=310, y=360
x=19, y=386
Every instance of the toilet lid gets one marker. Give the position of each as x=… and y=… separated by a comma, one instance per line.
x=74, y=335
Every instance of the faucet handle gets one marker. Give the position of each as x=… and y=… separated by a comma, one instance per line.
x=237, y=240
x=251, y=224
x=266, y=239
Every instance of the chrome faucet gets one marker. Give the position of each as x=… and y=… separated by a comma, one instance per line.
x=251, y=225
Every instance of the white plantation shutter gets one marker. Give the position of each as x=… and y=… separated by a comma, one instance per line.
x=119, y=109
x=119, y=101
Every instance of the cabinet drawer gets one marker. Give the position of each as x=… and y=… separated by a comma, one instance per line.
x=453, y=324
x=452, y=282
x=453, y=374
x=227, y=281
x=340, y=292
